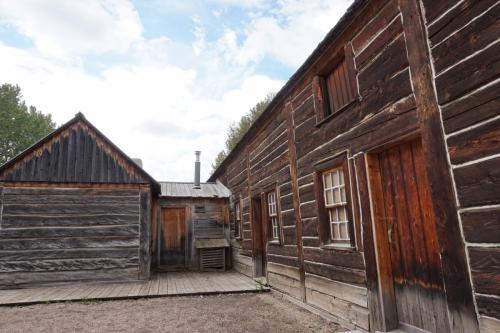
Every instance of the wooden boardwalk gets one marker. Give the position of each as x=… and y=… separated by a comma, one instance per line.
x=161, y=284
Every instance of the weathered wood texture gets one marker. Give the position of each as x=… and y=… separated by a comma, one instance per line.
x=396, y=101
x=214, y=210
x=58, y=234
x=465, y=50
x=74, y=154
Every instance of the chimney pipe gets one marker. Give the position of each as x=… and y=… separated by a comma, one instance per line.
x=197, y=170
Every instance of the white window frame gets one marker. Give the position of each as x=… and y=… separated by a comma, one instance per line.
x=335, y=199
x=272, y=209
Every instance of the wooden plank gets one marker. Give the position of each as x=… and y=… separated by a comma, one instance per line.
x=25, y=221
x=476, y=143
x=485, y=269
x=372, y=281
x=64, y=209
x=84, y=231
x=481, y=226
x=478, y=184
x=471, y=74
x=347, y=311
x=67, y=264
x=21, y=279
x=68, y=243
x=28, y=255
x=335, y=257
x=474, y=36
x=347, y=292
x=488, y=306
x=284, y=284
x=145, y=234
x=337, y=273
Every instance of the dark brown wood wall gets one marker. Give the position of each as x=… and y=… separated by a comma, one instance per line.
x=60, y=233
x=464, y=40
x=345, y=282
x=75, y=155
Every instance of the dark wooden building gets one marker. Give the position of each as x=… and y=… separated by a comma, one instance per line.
x=74, y=207
x=191, y=231
x=370, y=186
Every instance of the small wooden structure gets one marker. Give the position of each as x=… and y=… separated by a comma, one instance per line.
x=74, y=207
x=192, y=228
x=370, y=186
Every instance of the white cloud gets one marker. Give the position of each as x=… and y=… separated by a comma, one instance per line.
x=287, y=32
x=61, y=27
x=163, y=98
x=124, y=99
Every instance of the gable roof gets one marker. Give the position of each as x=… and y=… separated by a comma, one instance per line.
x=187, y=190
x=75, y=152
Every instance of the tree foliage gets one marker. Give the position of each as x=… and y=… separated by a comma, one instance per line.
x=20, y=125
x=237, y=130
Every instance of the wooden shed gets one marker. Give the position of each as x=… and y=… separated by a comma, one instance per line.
x=370, y=186
x=191, y=231
x=74, y=207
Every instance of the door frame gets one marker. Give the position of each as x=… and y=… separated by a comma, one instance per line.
x=380, y=286
x=159, y=235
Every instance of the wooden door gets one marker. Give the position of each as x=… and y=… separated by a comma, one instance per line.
x=173, y=238
x=258, y=238
x=409, y=261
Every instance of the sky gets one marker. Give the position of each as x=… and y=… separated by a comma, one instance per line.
x=160, y=78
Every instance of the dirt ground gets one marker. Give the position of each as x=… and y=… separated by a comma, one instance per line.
x=222, y=313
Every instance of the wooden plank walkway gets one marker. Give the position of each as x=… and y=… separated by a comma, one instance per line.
x=161, y=284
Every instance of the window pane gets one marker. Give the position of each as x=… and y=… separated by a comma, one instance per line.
x=344, y=234
x=329, y=197
x=336, y=178
x=341, y=175
x=342, y=194
x=341, y=211
x=327, y=180
x=336, y=196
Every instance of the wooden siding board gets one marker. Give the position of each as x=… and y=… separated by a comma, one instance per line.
x=478, y=184
x=479, y=142
x=485, y=270
x=481, y=226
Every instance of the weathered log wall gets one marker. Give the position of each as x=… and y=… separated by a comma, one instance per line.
x=464, y=40
x=196, y=209
x=393, y=77
x=59, y=233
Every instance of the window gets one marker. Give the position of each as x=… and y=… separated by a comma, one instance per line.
x=273, y=215
x=335, y=223
x=238, y=232
x=336, y=87
x=335, y=200
x=339, y=90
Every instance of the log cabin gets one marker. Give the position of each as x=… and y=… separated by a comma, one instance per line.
x=369, y=189
x=191, y=231
x=75, y=208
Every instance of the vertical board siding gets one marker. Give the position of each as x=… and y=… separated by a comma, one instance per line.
x=61, y=234
x=75, y=155
x=465, y=52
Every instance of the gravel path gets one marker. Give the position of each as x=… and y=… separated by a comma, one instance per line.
x=223, y=313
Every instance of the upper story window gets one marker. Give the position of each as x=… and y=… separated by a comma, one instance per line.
x=238, y=232
x=335, y=200
x=336, y=87
x=272, y=213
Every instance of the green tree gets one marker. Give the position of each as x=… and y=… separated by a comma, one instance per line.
x=20, y=125
x=238, y=129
